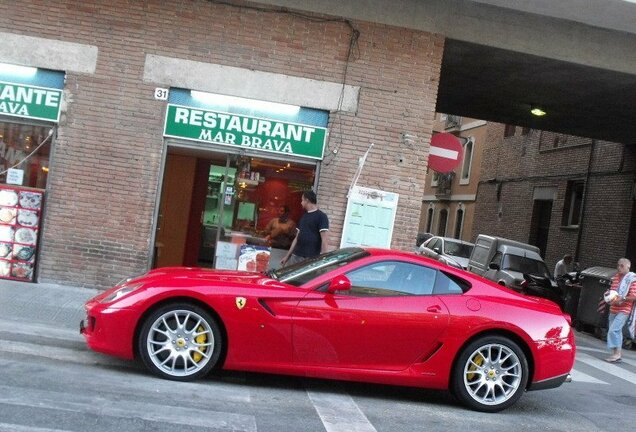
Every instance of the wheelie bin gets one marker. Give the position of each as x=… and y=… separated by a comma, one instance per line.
x=592, y=311
x=571, y=290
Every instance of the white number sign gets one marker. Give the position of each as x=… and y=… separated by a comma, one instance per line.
x=161, y=93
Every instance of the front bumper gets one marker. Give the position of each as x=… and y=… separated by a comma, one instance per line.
x=109, y=330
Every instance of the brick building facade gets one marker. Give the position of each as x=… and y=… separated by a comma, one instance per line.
x=564, y=193
x=448, y=205
x=109, y=153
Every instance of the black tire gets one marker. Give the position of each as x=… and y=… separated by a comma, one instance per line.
x=193, y=348
x=490, y=374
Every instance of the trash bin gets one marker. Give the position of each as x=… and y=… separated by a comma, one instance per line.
x=571, y=296
x=592, y=310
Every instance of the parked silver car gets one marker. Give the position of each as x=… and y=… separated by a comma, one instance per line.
x=450, y=251
x=505, y=261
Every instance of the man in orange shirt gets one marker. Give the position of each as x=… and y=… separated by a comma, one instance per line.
x=624, y=283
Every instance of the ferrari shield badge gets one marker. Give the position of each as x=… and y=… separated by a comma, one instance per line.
x=240, y=302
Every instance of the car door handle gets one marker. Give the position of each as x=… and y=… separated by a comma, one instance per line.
x=434, y=309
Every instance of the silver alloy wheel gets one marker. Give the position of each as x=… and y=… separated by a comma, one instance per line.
x=180, y=343
x=492, y=374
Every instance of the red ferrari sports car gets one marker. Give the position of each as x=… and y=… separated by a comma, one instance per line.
x=355, y=314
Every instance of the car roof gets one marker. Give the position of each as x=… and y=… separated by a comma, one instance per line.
x=389, y=252
x=454, y=240
x=514, y=250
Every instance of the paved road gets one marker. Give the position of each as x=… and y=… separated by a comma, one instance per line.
x=50, y=382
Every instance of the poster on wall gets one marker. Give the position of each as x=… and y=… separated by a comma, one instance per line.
x=369, y=218
x=20, y=210
x=253, y=258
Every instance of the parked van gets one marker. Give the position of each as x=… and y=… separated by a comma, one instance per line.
x=505, y=261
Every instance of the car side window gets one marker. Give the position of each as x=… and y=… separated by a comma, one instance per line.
x=434, y=243
x=497, y=259
x=392, y=278
x=450, y=284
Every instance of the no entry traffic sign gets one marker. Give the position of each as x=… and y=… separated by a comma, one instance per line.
x=445, y=153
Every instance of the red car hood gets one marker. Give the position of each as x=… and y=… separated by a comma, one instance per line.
x=196, y=273
x=186, y=277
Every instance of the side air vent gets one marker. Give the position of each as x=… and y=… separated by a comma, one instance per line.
x=266, y=307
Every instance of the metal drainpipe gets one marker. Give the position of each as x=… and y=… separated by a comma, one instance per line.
x=583, y=202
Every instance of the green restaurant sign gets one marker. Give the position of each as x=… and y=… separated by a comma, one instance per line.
x=246, y=132
x=21, y=100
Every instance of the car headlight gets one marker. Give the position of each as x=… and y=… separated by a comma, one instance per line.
x=120, y=292
x=128, y=279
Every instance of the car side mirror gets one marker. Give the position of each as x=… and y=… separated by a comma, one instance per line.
x=339, y=283
x=437, y=250
x=494, y=266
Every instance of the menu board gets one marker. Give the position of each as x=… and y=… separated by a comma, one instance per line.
x=369, y=218
x=20, y=210
x=253, y=258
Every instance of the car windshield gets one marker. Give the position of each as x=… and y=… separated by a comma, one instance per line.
x=525, y=265
x=304, y=271
x=457, y=249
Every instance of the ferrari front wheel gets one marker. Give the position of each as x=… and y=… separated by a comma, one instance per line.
x=490, y=374
x=180, y=342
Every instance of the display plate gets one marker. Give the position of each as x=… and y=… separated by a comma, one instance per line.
x=20, y=213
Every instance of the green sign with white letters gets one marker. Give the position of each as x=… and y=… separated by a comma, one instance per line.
x=22, y=100
x=247, y=132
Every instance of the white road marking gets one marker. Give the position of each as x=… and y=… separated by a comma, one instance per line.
x=338, y=412
x=578, y=376
x=57, y=353
x=443, y=153
x=589, y=349
x=605, y=353
x=9, y=427
x=51, y=332
x=177, y=415
x=609, y=368
x=224, y=389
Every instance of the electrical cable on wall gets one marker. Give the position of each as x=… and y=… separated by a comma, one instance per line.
x=48, y=137
x=361, y=162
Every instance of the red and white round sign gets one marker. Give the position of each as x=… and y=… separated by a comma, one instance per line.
x=445, y=153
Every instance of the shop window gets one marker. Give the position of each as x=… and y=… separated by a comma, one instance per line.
x=467, y=162
x=429, y=220
x=459, y=223
x=27, y=149
x=443, y=219
x=435, y=179
x=573, y=205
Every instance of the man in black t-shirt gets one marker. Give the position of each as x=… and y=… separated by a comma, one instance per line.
x=312, y=232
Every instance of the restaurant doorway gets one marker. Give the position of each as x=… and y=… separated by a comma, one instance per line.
x=215, y=208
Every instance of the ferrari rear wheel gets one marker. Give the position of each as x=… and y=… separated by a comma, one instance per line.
x=491, y=374
x=180, y=342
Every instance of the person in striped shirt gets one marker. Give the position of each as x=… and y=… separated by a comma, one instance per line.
x=620, y=308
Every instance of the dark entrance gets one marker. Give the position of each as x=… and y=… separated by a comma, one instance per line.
x=540, y=224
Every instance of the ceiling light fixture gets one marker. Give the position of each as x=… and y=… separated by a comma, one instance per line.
x=24, y=71
x=537, y=111
x=259, y=105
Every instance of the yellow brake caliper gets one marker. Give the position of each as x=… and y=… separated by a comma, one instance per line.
x=201, y=339
x=478, y=360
